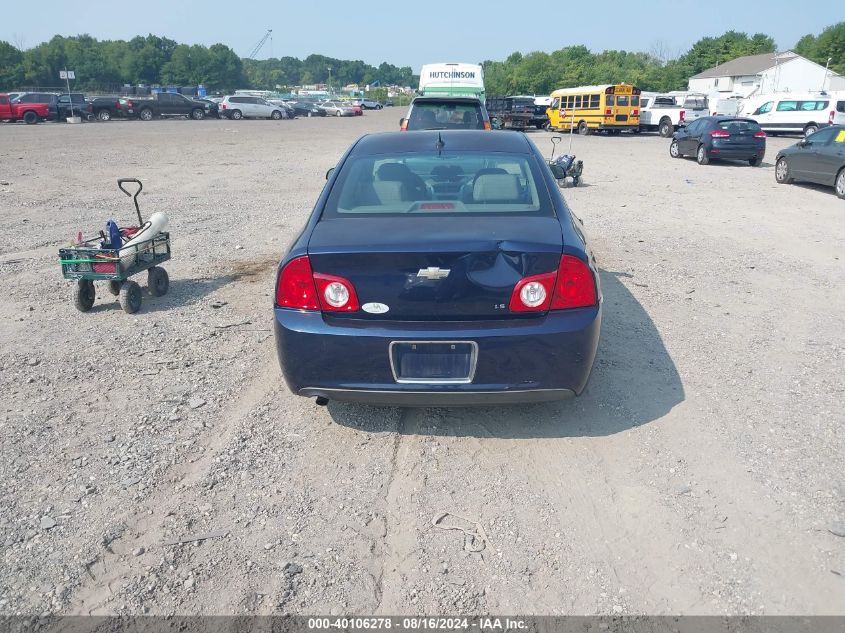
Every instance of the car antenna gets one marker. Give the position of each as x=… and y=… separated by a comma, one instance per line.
x=439, y=144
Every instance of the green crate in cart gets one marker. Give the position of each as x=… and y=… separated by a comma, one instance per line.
x=87, y=263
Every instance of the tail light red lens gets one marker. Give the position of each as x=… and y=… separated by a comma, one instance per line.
x=575, y=286
x=295, y=287
x=223, y=106
x=572, y=286
x=335, y=294
x=635, y=112
x=300, y=288
x=719, y=134
x=830, y=118
x=608, y=112
x=683, y=114
x=760, y=134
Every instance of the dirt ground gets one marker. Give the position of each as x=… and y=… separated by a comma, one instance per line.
x=701, y=472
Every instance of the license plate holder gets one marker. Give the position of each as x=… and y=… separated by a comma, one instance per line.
x=433, y=362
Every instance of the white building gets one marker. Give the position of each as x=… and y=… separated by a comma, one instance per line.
x=762, y=74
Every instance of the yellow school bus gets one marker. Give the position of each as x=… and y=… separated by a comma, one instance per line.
x=611, y=108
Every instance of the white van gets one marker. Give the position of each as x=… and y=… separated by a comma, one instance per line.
x=791, y=113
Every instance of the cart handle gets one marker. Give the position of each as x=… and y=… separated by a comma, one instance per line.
x=134, y=197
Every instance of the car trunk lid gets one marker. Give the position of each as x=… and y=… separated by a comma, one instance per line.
x=441, y=268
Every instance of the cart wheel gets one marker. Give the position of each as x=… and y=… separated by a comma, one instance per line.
x=130, y=297
x=83, y=295
x=114, y=287
x=158, y=283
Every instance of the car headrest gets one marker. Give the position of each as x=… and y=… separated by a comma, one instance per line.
x=496, y=188
x=393, y=171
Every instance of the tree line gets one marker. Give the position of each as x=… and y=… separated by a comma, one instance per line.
x=102, y=64
x=159, y=60
x=541, y=73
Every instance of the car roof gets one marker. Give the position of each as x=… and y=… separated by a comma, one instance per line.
x=446, y=99
x=453, y=140
x=721, y=118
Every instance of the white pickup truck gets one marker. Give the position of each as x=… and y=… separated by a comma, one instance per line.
x=666, y=112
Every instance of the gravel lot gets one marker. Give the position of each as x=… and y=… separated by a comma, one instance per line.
x=701, y=472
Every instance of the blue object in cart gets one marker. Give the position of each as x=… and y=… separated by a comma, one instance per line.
x=113, y=233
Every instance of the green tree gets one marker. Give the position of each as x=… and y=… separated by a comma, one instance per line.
x=11, y=68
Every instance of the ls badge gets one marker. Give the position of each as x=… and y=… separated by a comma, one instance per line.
x=375, y=308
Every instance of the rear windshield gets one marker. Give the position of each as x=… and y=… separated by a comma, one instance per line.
x=695, y=103
x=735, y=127
x=446, y=116
x=622, y=100
x=450, y=184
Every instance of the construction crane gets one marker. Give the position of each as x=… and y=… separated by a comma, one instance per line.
x=261, y=43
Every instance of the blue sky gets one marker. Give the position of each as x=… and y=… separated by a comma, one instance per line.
x=413, y=33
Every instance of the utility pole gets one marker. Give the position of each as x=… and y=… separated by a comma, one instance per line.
x=330, y=80
x=826, y=66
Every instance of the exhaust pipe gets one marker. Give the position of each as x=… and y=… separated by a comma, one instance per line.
x=322, y=401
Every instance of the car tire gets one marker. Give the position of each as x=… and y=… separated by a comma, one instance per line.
x=338, y=113
x=666, y=129
x=146, y=114
x=103, y=115
x=84, y=295
x=583, y=130
x=839, y=184
x=236, y=115
x=782, y=172
x=197, y=114
x=811, y=128
x=276, y=115
x=701, y=156
x=114, y=287
x=310, y=114
x=756, y=161
x=30, y=117
x=379, y=107
x=675, y=149
x=158, y=282
x=130, y=297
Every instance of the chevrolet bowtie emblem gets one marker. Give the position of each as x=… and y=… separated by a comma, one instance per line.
x=433, y=272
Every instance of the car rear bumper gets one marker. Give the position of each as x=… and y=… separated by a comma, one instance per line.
x=737, y=153
x=518, y=361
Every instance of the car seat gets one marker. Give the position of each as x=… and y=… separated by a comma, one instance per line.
x=496, y=189
x=395, y=182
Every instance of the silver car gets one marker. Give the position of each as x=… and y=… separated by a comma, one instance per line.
x=336, y=108
x=243, y=106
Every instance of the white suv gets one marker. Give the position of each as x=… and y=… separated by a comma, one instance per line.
x=240, y=107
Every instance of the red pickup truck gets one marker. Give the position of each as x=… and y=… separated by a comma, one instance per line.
x=28, y=112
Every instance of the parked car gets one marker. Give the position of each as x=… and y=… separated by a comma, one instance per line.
x=213, y=109
x=369, y=104
x=50, y=98
x=716, y=137
x=166, y=104
x=73, y=104
x=337, y=108
x=399, y=291
x=357, y=110
x=307, y=108
x=446, y=113
x=818, y=158
x=107, y=108
x=287, y=110
x=792, y=113
x=665, y=113
x=245, y=107
x=28, y=112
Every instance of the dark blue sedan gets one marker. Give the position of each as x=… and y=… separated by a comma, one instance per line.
x=439, y=268
x=722, y=138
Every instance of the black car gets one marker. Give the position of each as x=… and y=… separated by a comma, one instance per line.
x=819, y=158
x=720, y=137
x=213, y=109
x=446, y=113
x=305, y=108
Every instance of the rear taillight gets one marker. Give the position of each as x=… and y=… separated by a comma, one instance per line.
x=223, y=106
x=830, y=118
x=295, y=286
x=336, y=294
x=719, y=134
x=300, y=288
x=572, y=286
x=760, y=134
x=533, y=294
x=575, y=286
x=608, y=112
x=129, y=104
x=635, y=112
x=682, y=116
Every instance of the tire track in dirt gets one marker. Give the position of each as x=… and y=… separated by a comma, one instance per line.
x=115, y=561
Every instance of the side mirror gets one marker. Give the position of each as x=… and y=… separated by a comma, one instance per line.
x=329, y=172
